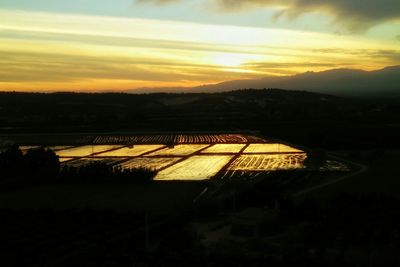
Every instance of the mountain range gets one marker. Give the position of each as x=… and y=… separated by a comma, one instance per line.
x=340, y=82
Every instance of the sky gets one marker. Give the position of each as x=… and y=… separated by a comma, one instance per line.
x=102, y=45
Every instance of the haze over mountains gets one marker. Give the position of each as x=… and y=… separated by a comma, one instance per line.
x=340, y=82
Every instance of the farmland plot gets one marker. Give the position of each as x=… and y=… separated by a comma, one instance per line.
x=83, y=151
x=216, y=138
x=178, y=139
x=271, y=148
x=136, y=150
x=224, y=148
x=264, y=162
x=194, y=168
x=178, y=150
x=135, y=139
x=150, y=163
x=57, y=148
x=65, y=159
x=85, y=161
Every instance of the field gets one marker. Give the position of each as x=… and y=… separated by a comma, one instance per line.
x=267, y=162
x=270, y=148
x=151, y=163
x=224, y=148
x=130, y=151
x=194, y=168
x=178, y=139
x=65, y=159
x=184, y=156
x=84, y=161
x=179, y=150
x=56, y=148
x=83, y=151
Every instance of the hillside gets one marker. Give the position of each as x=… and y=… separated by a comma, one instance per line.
x=383, y=83
x=300, y=117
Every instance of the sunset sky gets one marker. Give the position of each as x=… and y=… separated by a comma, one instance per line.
x=96, y=45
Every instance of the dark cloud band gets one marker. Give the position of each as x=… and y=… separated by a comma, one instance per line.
x=355, y=15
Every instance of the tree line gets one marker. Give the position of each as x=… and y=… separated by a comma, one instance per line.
x=41, y=166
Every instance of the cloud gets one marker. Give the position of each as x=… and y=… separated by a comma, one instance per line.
x=354, y=15
x=279, y=65
x=33, y=67
x=389, y=54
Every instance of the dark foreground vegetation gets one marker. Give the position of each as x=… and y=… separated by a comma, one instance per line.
x=35, y=166
x=41, y=166
x=344, y=230
x=102, y=216
x=350, y=230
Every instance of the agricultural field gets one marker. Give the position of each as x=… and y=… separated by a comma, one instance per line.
x=62, y=160
x=271, y=148
x=216, y=138
x=83, y=151
x=194, y=168
x=135, y=139
x=57, y=148
x=179, y=139
x=84, y=161
x=189, y=156
x=224, y=148
x=150, y=163
x=179, y=150
x=136, y=150
x=265, y=162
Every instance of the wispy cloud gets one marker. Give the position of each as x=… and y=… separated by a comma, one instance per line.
x=354, y=15
x=58, y=51
x=392, y=55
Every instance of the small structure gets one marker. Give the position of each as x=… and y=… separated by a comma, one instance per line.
x=254, y=222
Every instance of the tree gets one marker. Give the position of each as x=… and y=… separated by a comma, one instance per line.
x=43, y=164
x=11, y=162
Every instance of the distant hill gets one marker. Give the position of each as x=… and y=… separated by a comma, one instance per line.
x=303, y=118
x=340, y=82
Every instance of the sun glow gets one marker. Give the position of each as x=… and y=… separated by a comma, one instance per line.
x=228, y=60
x=42, y=51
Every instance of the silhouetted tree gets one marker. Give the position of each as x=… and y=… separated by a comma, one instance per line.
x=43, y=164
x=11, y=162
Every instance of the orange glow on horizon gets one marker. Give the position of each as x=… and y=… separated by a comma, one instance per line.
x=57, y=52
